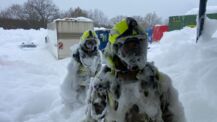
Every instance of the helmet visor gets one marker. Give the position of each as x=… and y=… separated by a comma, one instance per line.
x=90, y=44
x=132, y=45
x=132, y=50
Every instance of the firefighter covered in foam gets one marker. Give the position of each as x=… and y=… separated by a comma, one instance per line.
x=85, y=63
x=128, y=88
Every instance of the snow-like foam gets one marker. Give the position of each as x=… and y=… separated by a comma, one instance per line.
x=30, y=79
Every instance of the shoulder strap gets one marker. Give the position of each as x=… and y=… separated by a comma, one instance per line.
x=76, y=56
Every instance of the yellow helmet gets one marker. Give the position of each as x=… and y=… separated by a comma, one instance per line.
x=127, y=44
x=89, y=34
x=89, y=41
x=126, y=27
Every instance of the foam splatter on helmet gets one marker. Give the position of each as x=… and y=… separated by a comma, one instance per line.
x=89, y=41
x=127, y=47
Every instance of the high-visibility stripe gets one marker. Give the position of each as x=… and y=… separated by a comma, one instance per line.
x=86, y=35
x=117, y=30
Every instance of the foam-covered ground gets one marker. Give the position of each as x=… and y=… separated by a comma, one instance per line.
x=193, y=70
x=30, y=78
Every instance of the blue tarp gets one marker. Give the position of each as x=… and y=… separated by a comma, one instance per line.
x=103, y=36
x=149, y=32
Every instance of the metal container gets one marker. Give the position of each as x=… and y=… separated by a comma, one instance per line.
x=63, y=33
x=178, y=22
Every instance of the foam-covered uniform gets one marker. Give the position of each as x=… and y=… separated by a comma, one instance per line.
x=128, y=88
x=85, y=63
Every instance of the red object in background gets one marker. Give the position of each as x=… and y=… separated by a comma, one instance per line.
x=60, y=45
x=158, y=31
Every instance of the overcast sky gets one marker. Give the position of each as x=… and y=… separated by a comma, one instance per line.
x=111, y=8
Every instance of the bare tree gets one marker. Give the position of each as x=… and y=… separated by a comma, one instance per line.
x=13, y=12
x=151, y=19
x=5, y=14
x=99, y=18
x=41, y=10
x=17, y=11
x=77, y=12
x=30, y=12
x=139, y=19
